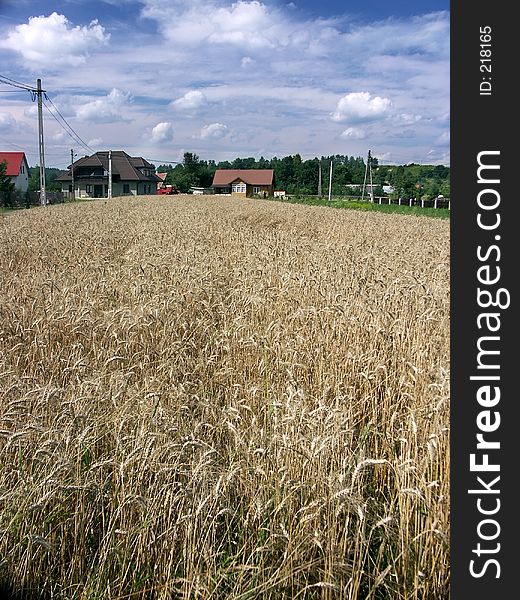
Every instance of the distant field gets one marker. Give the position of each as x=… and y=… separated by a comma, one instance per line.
x=205, y=397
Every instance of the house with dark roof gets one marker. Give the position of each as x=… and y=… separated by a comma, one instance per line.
x=17, y=169
x=131, y=176
x=244, y=182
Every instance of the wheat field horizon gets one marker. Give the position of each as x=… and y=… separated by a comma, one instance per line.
x=218, y=398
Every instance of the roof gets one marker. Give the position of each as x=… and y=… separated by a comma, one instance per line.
x=14, y=162
x=127, y=167
x=225, y=177
x=162, y=176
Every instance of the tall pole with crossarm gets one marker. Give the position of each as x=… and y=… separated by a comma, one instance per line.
x=330, y=181
x=39, y=92
x=110, y=173
x=319, y=178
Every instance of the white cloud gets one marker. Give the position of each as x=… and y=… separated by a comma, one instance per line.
x=95, y=142
x=357, y=107
x=409, y=118
x=212, y=57
x=107, y=109
x=52, y=41
x=7, y=122
x=354, y=133
x=60, y=136
x=190, y=101
x=214, y=131
x=162, y=132
x=246, y=24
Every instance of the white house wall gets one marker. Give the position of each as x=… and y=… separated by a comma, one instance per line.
x=21, y=182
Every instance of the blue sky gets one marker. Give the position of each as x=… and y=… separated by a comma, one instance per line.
x=225, y=79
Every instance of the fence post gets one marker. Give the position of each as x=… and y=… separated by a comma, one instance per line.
x=422, y=203
x=435, y=203
x=410, y=203
x=399, y=201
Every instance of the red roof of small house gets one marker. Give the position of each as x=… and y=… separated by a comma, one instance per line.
x=14, y=162
x=225, y=177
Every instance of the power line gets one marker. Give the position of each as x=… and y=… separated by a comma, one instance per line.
x=13, y=145
x=65, y=125
x=169, y=162
x=18, y=84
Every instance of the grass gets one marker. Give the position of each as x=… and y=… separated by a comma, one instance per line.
x=439, y=213
x=219, y=399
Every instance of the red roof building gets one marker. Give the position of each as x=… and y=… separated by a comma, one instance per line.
x=162, y=177
x=244, y=182
x=17, y=168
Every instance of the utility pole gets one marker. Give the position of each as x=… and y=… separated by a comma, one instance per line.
x=110, y=173
x=370, y=173
x=39, y=92
x=72, y=173
x=319, y=178
x=368, y=170
x=330, y=180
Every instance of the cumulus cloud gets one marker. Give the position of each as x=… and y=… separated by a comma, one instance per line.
x=53, y=41
x=249, y=25
x=190, y=101
x=162, y=132
x=108, y=109
x=216, y=54
x=354, y=133
x=192, y=22
x=358, y=107
x=214, y=131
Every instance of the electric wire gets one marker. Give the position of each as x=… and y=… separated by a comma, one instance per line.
x=65, y=125
x=8, y=81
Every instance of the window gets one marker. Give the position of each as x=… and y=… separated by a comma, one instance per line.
x=238, y=188
x=256, y=190
x=88, y=188
x=126, y=188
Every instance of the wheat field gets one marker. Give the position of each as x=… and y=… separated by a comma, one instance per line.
x=212, y=398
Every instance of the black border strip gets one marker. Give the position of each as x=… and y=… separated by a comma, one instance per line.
x=483, y=115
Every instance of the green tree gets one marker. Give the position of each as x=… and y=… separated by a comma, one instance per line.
x=51, y=185
x=6, y=186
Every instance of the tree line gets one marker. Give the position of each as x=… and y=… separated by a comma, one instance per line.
x=297, y=176
x=292, y=174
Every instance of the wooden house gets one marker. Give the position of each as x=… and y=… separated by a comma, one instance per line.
x=244, y=182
